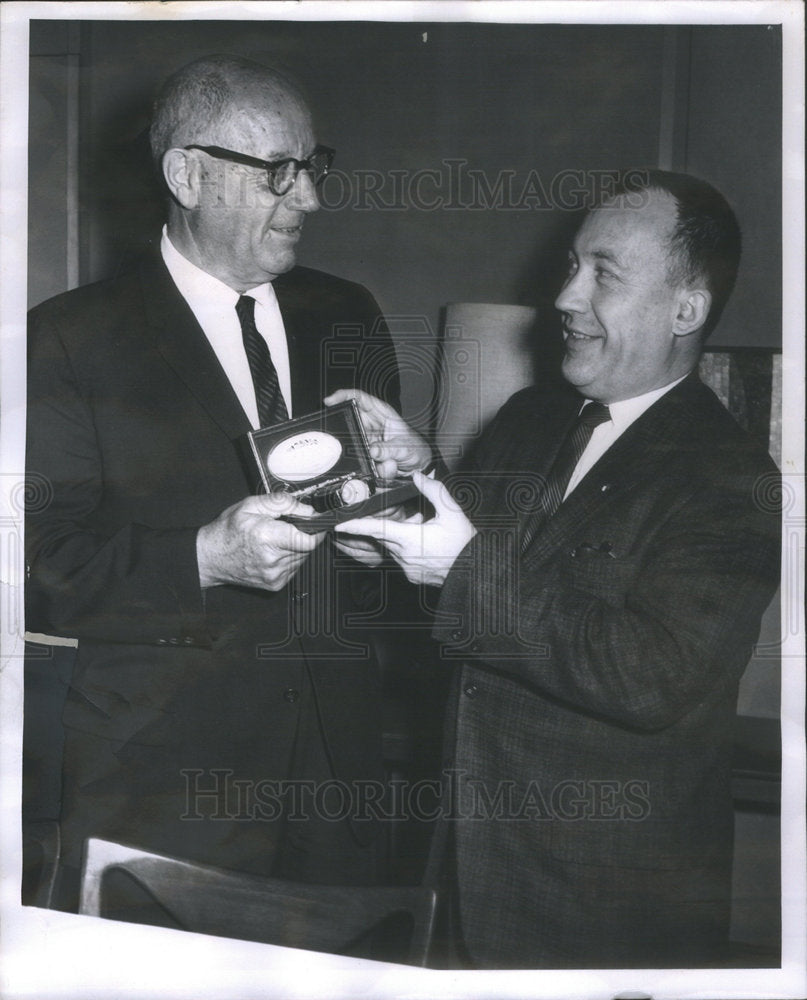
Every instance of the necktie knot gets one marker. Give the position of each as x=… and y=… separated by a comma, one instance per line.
x=245, y=307
x=593, y=414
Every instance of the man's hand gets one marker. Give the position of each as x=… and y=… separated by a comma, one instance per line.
x=367, y=550
x=394, y=446
x=363, y=550
x=247, y=544
x=425, y=550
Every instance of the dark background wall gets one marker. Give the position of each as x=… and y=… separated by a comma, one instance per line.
x=517, y=102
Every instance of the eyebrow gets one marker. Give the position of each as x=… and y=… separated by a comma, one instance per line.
x=607, y=256
x=279, y=157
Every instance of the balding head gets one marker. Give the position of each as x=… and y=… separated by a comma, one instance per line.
x=705, y=244
x=223, y=214
x=217, y=101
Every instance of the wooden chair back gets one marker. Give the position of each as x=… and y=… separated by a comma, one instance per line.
x=382, y=922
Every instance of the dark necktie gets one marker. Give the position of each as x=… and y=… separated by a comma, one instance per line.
x=573, y=446
x=271, y=405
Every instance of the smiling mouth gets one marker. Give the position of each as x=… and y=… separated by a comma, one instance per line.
x=288, y=230
x=576, y=335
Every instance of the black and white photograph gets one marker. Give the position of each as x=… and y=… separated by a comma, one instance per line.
x=402, y=463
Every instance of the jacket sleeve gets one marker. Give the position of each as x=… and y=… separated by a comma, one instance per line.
x=639, y=637
x=128, y=583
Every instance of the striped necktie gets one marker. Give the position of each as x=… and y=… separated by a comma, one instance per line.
x=572, y=448
x=271, y=405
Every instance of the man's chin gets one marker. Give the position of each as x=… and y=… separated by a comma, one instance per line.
x=574, y=373
x=280, y=266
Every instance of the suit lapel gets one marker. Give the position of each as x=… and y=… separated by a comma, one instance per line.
x=182, y=343
x=522, y=460
x=541, y=449
x=638, y=455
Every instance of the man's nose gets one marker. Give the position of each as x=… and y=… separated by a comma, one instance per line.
x=572, y=297
x=302, y=195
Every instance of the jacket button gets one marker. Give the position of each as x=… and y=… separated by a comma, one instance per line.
x=291, y=695
x=456, y=635
x=162, y=642
x=300, y=595
x=471, y=690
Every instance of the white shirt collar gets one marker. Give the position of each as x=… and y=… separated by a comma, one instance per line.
x=625, y=411
x=196, y=284
x=623, y=414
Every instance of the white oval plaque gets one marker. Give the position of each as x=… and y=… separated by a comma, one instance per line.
x=304, y=456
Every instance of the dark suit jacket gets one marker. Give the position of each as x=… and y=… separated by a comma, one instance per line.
x=597, y=684
x=137, y=434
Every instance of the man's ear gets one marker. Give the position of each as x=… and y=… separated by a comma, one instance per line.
x=182, y=175
x=693, y=309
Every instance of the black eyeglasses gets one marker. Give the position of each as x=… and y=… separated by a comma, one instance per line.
x=280, y=174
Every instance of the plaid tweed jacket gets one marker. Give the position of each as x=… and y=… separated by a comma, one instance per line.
x=588, y=758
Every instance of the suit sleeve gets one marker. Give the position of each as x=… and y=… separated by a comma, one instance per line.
x=119, y=583
x=637, y=637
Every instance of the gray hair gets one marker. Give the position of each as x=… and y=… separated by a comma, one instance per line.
x=200, y=102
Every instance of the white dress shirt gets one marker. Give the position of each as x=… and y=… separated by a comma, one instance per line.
x=605, y=434
x=213, y=304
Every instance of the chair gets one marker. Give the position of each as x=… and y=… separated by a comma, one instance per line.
x=487, y=355
x=365, y=922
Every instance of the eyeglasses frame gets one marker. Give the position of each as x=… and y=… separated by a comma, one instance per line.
x=272, y=165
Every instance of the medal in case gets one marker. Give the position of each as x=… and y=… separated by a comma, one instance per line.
x=323, y=459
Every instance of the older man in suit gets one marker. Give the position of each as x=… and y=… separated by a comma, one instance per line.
x=600, y=598
x=213, y=661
